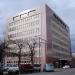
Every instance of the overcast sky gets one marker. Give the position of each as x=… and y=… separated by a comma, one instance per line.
x=64, y=8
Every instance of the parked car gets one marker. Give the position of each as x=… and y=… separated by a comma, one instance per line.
x=24, y=68
x=37, y=67
x=66, y=67
x=3, y=69
x=13, y=68
x=49, y=67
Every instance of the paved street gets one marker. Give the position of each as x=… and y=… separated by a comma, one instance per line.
x=58, y=72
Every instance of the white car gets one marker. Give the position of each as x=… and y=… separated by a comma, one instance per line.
x=66, y=67
x=13, y=68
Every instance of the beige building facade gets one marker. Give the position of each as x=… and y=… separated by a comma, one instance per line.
x=42, y=24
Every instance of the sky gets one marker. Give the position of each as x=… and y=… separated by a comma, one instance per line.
x=65, y=9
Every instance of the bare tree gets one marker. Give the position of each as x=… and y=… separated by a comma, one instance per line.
x=4, y=48
x=32, y=45
x=20, y=46
x=19, y=43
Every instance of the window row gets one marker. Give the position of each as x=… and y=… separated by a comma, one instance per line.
x=59, y=28
x=60, y=21
x=60, y=42
x=17, y=62
x=59, y=48
x=61, y=37
x=62, y=55
x=28, y=32
x=23, y=26
x=24, y=20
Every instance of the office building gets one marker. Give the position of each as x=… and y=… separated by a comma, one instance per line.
x=42, y=23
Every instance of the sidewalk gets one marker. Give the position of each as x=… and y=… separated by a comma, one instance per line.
x=58, y=69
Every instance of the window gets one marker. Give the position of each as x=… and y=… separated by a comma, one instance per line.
x=60, y=21
x=37, y=30
x=37, y=21
x=32, y=12
x=26, y=19
x=30, y=17
x=24, y=61
x=10, y=24
x=24, y=15
x=17, y=18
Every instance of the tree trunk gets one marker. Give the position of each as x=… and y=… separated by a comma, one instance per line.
x=32, y=56
x=32, y=60
x=19, y=59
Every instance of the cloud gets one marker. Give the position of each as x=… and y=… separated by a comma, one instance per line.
x=64, y=8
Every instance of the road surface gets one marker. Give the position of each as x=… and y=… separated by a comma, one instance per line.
x=57, y=72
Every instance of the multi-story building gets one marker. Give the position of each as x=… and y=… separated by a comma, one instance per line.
x=44, y=24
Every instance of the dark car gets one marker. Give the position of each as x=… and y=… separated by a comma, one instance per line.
x=26, y=68
x=1, y=71
x=37, y=67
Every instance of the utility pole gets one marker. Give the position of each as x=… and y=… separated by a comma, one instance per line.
x=39, y=50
